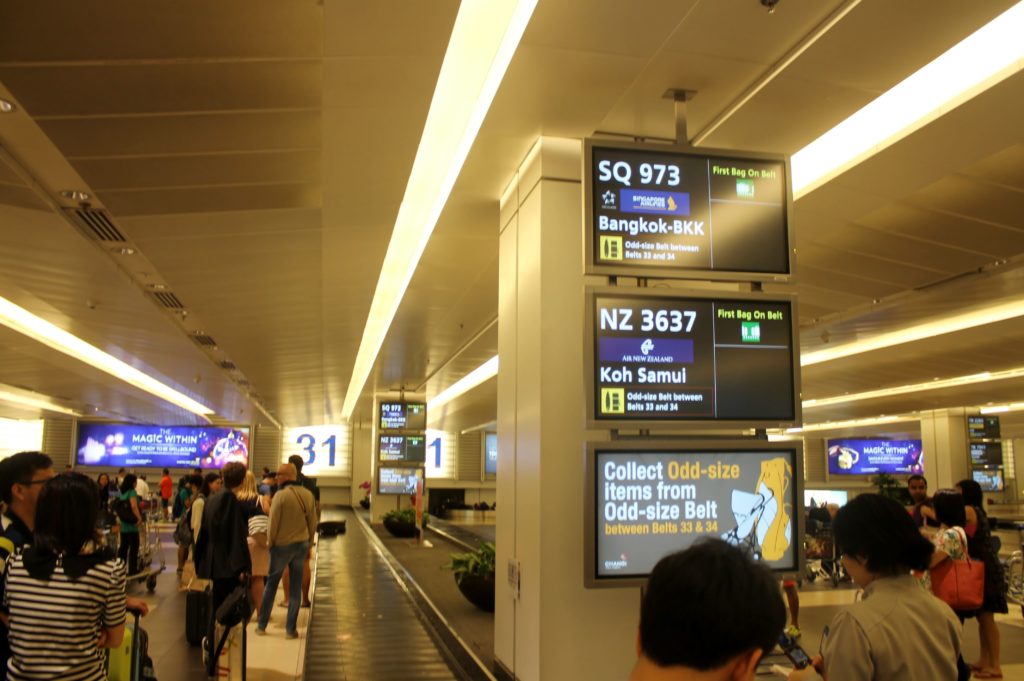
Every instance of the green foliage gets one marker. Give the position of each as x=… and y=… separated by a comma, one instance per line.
x=406, y=515
x=887, y=485
x=479, y=562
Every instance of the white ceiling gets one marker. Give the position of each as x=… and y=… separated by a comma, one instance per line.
x=255, y=154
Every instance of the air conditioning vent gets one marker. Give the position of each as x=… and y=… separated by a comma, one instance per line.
x=230, y=366
x=98, y=223
x=169, y=300
x=206, y=340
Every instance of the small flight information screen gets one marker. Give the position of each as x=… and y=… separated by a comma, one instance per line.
x=667, y=358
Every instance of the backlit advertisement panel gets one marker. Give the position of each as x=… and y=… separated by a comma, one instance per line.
x=119, y=445
x=868, y=457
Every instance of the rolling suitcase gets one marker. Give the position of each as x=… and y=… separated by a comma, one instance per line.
x=331, y=528
x=197, y=616
x=130, y=661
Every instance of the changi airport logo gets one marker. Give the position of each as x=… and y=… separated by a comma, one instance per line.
x=608, y=199
x=621, y=564
x=613, y=400
x=646, y=347
x=650, y=201
x=611, y=248
x=750, y=332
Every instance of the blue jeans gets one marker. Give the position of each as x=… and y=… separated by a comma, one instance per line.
x=291, y=556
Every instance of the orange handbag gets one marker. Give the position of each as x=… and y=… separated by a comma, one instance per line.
x=960, y=583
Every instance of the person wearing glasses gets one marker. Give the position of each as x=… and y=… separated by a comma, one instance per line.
x=898, y=630
x=22, y=477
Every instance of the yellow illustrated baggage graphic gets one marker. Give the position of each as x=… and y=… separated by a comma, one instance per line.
x=763, y=517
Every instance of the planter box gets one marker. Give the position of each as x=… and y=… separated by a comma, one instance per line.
x=479, y=590
x=400, y=529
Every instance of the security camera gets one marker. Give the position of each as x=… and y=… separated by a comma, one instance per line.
x=770, y=4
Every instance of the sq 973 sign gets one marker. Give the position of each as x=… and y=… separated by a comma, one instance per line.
x=669, y=211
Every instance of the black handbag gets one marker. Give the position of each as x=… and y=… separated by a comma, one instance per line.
x=237, y=607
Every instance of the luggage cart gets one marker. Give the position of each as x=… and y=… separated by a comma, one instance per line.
x=149, y=544
x=820, y=549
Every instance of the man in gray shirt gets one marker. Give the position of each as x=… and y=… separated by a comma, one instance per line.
x=291, y=532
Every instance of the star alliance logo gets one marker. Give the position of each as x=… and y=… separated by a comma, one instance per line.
x=647, y=346
x=608, y=199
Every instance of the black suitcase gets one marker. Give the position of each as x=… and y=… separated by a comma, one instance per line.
x=330, y=528
x=197, y=616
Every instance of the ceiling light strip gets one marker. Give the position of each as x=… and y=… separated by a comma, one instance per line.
x=854, y=423
x=485, y=371
x=1002, y=408
x=39, y=402
x=937, y=384
x=777, y=68
x=986, y=57
x=23, y=321
x=483, y=41
x=969, y=320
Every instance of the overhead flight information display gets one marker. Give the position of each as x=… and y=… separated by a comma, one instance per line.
x=659, y=358
x=403, y=416
x=660, y=211
x=411, y=448
x=983, y=427
x=648, y=499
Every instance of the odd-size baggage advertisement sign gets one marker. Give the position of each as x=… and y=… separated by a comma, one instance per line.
x=662, y=497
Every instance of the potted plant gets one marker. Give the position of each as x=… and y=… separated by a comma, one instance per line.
x=365, y=501
x=887, y=485
x=474, y=575
x=401, y=523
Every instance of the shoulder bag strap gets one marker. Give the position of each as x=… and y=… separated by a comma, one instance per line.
x=298, y=498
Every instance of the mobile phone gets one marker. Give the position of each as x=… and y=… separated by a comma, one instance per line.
x=797, y=655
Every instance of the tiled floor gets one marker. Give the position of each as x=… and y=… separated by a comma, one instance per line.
x=271, y=657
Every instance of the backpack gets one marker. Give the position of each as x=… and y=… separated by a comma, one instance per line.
x=179, y=505
x=122, y=508
x=183, y=530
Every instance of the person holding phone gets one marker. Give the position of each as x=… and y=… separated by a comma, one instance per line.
x=898, y=630
x=708, y=612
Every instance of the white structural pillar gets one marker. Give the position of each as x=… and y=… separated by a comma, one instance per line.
x=944, y=443
x=552, y=628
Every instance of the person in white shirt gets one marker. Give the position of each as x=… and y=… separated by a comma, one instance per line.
x=142, y=487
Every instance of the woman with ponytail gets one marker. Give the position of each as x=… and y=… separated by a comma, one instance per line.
x=898, y=630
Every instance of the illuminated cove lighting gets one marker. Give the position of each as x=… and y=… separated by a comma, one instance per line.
x=968, y=320
x=854, y=423
x=937, y=384
x=485, y=371
x=484, y=38
x=36, y=328
x=36, y=401
x=981, y=60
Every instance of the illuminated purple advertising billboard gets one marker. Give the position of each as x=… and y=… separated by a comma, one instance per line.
x=117, y=445
x=867, y=457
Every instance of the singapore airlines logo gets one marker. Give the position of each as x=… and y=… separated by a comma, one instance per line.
x=672, y=205
x=647, y=346
x=608, y=199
